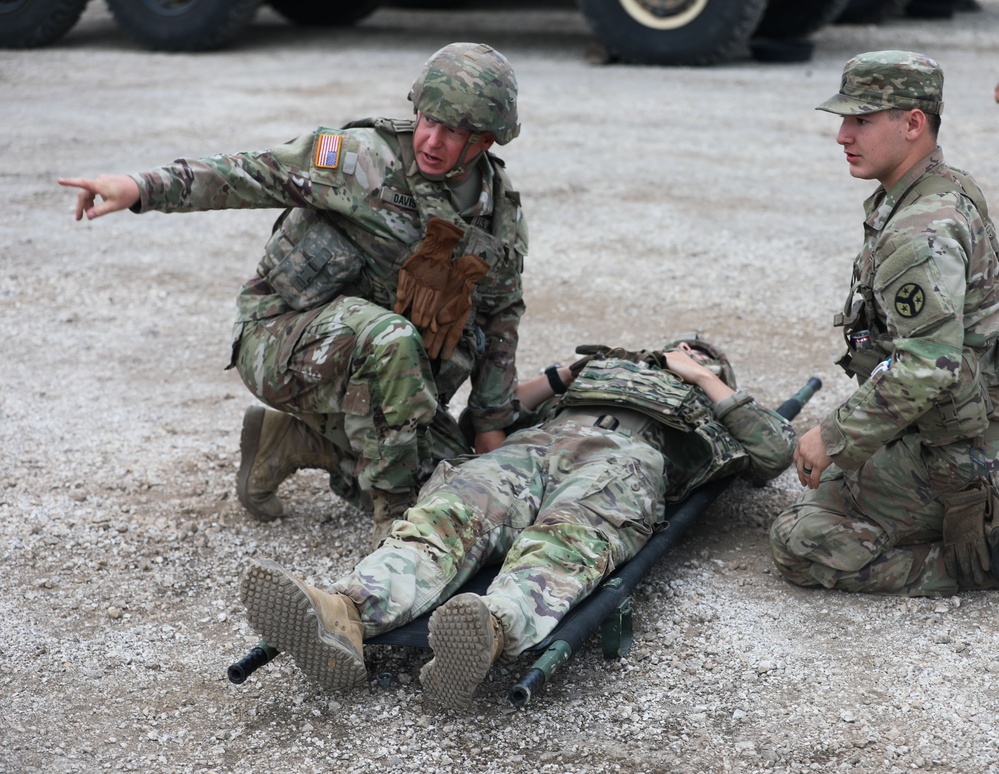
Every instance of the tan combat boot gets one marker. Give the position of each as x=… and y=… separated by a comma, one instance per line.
x=272, y=446
x=388, y=506
x=467, y=640
x=322, y=632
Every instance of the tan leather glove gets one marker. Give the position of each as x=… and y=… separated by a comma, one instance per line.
x=966, y=549
x=423, y=276
x=444, y=333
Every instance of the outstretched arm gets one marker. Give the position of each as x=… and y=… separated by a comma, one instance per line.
x=117, y=192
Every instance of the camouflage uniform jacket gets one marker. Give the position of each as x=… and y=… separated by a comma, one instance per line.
x=925, y=287
x=357, y=180
x=700, y=442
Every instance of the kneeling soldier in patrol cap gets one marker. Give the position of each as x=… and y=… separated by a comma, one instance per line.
x=562, y=505
x=900, y=477
x=392, y=275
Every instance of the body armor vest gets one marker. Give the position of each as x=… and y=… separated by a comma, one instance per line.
x=671, y=405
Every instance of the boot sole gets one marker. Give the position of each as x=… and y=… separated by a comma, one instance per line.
x=249, y=442
x=462, y=641
x=279, y=608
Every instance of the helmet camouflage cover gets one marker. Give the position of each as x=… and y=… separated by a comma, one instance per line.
x=469, y=86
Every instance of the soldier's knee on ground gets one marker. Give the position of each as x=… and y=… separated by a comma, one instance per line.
x=827, y=539
x=792, y=568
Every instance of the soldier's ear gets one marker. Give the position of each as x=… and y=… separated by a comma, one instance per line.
x=917, y=124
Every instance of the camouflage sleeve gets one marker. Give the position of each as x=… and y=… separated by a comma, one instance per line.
x=767, y=437
x=500, y=298
x=920, y=285
x=270, y=178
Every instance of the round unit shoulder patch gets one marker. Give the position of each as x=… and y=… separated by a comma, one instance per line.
x=909, y=300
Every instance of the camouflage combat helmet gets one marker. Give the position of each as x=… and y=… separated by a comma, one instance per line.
x=469, y=86
x=717, y=360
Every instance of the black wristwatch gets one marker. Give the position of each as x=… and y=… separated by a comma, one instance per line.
x=555, y=381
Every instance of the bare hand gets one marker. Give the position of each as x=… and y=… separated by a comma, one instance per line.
x=810, y=458
x=117, y=192
x=997, y=92
x=684, y=362
x=686, y=367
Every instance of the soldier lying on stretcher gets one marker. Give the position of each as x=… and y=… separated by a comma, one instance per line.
x=562, y=505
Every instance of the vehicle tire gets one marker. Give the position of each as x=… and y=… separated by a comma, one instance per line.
x=783, y=50
x=429, y=5
x=870, y=11
x=664, y=32
x=931, y=9
x=798, y=18
x=308, y=13
x=34, y=23
x=182, y=25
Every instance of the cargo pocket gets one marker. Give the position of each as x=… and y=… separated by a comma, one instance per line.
x=622, y=498
x=286, y=331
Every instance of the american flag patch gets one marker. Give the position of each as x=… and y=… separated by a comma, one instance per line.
x=328, y=151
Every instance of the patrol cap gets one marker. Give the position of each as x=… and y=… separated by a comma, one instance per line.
x=882, y=80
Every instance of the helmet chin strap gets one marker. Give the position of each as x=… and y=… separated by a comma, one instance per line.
x=461, y=164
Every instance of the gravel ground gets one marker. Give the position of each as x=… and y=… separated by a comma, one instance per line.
x=660, y=200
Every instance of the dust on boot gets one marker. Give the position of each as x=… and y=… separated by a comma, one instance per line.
x=272, y=446
x=322, y=632
x=467, y=640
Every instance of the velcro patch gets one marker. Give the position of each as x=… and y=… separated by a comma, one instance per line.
x=328, y=151
x=909, y=300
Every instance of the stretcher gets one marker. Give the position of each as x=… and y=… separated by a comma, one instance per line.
x=608, y=609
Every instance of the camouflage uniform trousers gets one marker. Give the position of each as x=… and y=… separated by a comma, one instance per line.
x=357, y=374
x=560, y=506
x=879, y=529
